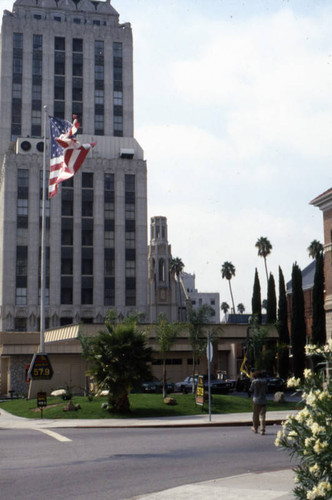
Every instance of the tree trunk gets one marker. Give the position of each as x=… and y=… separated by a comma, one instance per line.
x=230, y=289
x=164, y=379
x=267, y=275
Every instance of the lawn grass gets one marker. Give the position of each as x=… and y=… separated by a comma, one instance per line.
x=142, y=406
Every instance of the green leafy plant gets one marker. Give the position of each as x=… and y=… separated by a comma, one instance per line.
x=308, y=434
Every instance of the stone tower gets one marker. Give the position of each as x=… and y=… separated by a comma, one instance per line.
x=162, y=284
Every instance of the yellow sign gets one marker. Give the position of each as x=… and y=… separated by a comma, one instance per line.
x=200, y=391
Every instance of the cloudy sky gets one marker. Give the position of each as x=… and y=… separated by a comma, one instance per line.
x=233, y=108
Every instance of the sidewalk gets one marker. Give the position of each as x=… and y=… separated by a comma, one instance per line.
x=275, y=485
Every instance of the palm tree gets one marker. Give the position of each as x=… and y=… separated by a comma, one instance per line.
x=120, y=360
x=315, y=249
x=224, y=307
x=176, y=266
x=264, y=249
x=228, y=271
x=241, y=308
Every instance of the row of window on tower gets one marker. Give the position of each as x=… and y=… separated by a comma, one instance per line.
x=59, y=88
x=87, y=240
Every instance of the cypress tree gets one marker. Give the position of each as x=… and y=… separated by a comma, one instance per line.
x=318, y=332
x=298, y=326
x=256, y=304
x=271, y=311
x=283, y=353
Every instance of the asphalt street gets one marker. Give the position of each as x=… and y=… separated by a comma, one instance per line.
x=117, y=464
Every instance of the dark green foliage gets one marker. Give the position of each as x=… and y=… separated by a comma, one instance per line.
x=283, y=351
x=318, y=335
x=271, y=311
x=315, y=249
x=261, y=350
x=224, y=307
x=256, y=304
x=298, y=326
x=227, y=272
x=264, y=249
x=318, y=331
x=119, y=362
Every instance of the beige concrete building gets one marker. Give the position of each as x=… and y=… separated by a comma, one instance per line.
x=64, y=349
x=74, y=57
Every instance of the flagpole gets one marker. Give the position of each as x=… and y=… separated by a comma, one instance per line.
x=43, y=238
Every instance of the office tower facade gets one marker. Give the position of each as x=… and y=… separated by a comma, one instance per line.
x=74, y=58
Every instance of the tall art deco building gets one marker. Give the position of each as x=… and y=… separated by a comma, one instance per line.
x=76, y=58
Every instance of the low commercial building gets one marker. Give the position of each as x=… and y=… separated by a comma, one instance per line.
x=65, y=354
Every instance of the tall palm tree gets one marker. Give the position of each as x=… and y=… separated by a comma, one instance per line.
x=224, y=307
x=241, y=308
x=228, y=271
x=176, y=266
x=264, y=249
x=315, y=249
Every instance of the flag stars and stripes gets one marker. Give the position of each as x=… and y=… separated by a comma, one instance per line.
x=67, y=154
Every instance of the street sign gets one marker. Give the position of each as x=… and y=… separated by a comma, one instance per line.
x=40, y=368
x=209, y=351
x=41, y=399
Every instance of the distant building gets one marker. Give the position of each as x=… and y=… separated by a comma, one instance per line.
x=162, y=294
x=198, y=299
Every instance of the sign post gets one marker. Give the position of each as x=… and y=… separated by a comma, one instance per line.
x=209, y=355
x=41, y=402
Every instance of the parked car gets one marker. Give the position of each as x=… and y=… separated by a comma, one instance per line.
x=274, y=384
x=187, y=384
x=156, y=386
x=218, y=385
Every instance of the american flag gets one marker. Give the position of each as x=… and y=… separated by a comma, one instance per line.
x=67, y=154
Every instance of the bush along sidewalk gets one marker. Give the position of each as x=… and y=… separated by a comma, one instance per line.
x=308, y=435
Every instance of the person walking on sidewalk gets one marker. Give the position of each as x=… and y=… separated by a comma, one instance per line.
x=258, y=390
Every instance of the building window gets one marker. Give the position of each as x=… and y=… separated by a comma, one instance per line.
x=130, y=269
x=20, y=325
x=17, y=69
x=109, y=291
x=77, y=80
x=99, y=87
x=162, y=274
x=87, y=203
x=87, y=237
x=117, y=98
x=87, y=290
x=117, y=84
x=66, y=290
x=21, y=296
